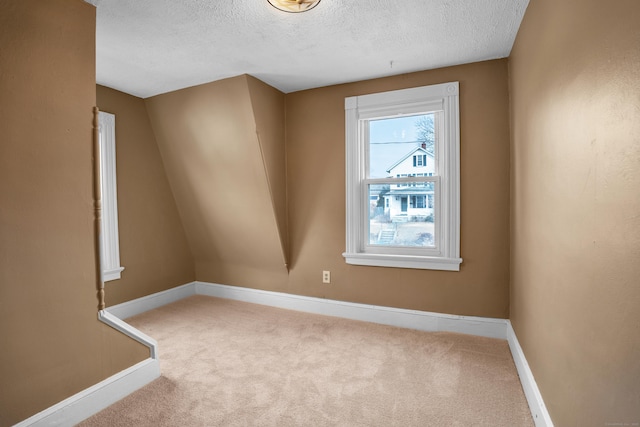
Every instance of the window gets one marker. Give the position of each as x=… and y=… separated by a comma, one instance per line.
x=404, y=146
x=418, y=202
x=110, y=246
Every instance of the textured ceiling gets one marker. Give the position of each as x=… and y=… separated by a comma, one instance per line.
x=148, y=47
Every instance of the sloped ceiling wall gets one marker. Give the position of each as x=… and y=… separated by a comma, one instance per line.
x=222, y=144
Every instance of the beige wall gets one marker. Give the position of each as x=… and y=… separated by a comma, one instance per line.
x=570, y=194
x=153, y=246
x=230, y=190
x=52, y=345
x=575, y=294
x=316, y=193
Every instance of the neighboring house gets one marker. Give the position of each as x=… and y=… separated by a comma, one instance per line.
x=411, y=201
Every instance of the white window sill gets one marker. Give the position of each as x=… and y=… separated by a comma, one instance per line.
x=403, y=261
x=113, y=274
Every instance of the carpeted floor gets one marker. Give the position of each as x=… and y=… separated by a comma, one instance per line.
x=230, y=363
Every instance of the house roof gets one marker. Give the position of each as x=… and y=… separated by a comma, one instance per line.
x=410, y=153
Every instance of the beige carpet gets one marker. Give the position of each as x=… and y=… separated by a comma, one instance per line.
x=230, y=363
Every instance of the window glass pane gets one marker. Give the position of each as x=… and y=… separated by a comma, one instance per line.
x=402, y=146
x=402, y=216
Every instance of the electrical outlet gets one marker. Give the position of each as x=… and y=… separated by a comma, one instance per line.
x=326, y=276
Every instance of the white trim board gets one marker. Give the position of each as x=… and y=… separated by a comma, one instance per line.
x=130, y=331
x=539, y=412
x=149, y=302
x=421, y=320
x=92, y=400
x=411, y=319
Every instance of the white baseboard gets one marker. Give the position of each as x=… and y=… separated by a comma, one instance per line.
x=412, y=319
x=125, y=328
x=92, y=400
x=140, y=305
x=421, y=320
x=537, y=407
x=98, y=397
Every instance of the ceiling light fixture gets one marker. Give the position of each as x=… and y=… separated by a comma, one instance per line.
x=294, y=6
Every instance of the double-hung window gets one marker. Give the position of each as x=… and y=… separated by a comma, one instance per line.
x=403, y=149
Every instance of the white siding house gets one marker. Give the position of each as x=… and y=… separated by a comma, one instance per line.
x=411, y=201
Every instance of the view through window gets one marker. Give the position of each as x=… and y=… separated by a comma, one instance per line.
x=401, y=212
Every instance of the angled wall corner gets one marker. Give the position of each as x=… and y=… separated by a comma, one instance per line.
x=220, y=164
x=268, y=112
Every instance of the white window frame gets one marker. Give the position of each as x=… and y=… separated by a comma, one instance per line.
x=443, y=98
x=110, y=250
